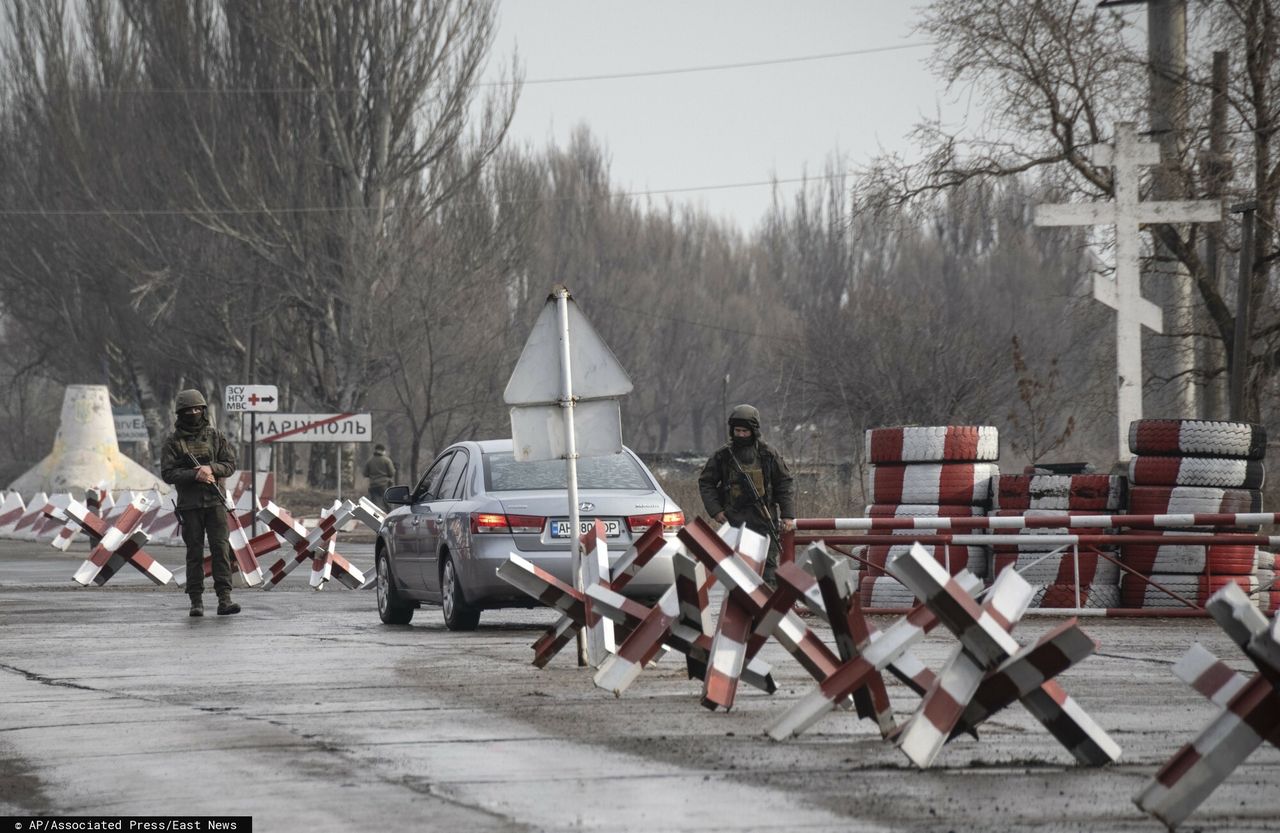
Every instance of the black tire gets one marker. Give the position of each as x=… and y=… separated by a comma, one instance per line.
x=393, y=609
x=458, y=615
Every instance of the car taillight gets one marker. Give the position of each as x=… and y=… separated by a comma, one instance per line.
x=483, y=522
x=526, y=523
x=669, y=520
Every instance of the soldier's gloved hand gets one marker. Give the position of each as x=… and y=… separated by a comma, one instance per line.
x=719, y=518
x=204, y=474
x=788, y=524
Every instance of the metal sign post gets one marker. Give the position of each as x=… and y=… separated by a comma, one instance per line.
x=564, y=395
x=248, y=399
x=585, y=651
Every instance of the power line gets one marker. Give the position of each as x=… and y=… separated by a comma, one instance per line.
x=824, y=56
x=612, y=76
x=339, y=209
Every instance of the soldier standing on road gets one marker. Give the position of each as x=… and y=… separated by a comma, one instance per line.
x=195, y=459
x=381, y=473
x=747, y=482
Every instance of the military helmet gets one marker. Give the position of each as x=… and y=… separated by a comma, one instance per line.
x=190, y=398
x=747, y=417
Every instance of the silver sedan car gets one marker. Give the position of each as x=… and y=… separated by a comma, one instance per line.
x=476, y=505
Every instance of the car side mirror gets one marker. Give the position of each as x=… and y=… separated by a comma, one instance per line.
x=397, y=496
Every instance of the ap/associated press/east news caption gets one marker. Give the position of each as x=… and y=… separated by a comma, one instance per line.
x=127, y=824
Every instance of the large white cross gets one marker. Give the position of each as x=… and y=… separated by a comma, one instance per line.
x=1127, y=213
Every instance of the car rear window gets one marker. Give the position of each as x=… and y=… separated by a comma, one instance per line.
x=502, y=473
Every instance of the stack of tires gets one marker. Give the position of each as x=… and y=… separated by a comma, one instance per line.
x=1185, y=466
x=1056, y=574
x=1265, y=571
x=925, y=471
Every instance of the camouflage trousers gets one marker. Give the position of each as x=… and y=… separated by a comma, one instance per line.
x=198, y=525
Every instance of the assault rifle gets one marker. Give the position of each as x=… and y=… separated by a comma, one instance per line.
x=774, y=534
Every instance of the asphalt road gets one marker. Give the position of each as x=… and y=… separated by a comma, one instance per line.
x=307, y=714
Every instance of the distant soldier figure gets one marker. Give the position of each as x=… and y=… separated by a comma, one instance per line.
x=195, y=459
x=747, y=482
x=381, y=473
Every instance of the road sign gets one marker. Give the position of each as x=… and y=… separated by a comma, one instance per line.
x=130, y=428
x=252, y=398
x=313, y=428
x=536, y=380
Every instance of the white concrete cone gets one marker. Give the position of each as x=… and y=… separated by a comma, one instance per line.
x=85, y=452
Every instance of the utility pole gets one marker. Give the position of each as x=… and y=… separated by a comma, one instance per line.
x=1244, y=315
x=1172, y=287
x=1216, y=170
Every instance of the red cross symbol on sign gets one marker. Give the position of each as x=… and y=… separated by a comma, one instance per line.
x=253, y=399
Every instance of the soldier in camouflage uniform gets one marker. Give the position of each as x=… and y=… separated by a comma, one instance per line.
x=381, y=473
x=195, y=459
x=726, y=494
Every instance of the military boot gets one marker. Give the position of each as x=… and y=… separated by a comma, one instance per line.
x=197, y=606
x=226, y=607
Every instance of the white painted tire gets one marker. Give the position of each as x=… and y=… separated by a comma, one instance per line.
x=1196, y=471
x=1182, y=500
x=884, y=591
x=1196, y=437
x=1190, y=559
x=926, y=444
x=1097, y=492
x=931, y=483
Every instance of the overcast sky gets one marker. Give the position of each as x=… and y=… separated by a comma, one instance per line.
x=725, y=126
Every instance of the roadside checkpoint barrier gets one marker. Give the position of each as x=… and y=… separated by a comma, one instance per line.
x=1198, y=467
x=12, y=511
x=1250, y=713
x=991, y=669
x=317, y=545
x=573, y=604
x=751, y=612
x=121, y=542
x=32, y=518
x=926, y=471
x=1152, y=530
x=865, y=651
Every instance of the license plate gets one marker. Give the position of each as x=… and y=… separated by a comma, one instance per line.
x=560, y=529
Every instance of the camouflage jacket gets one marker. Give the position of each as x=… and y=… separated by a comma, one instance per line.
x=724, y=489
x=210, y=448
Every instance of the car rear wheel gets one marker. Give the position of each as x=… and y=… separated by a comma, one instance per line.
x=393, y=609
x=458, y=615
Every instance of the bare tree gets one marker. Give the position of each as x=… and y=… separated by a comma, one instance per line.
x=1057, y=77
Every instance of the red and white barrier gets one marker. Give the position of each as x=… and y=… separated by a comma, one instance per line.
x=1196, y=471
x=750, y=614
x=991, y=670
x=919, y=444
x=312, y=546
x=12, y=511
x=1047, y=519
x=1058, y=491
x=1161, y=500
x=1250, y=713
x=689, y=632
x=32, y=519
x=1198, y=438
x=120, y=542
x=883, y=650
x=1138, y=593
x=516, y=572
x=923, y=483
